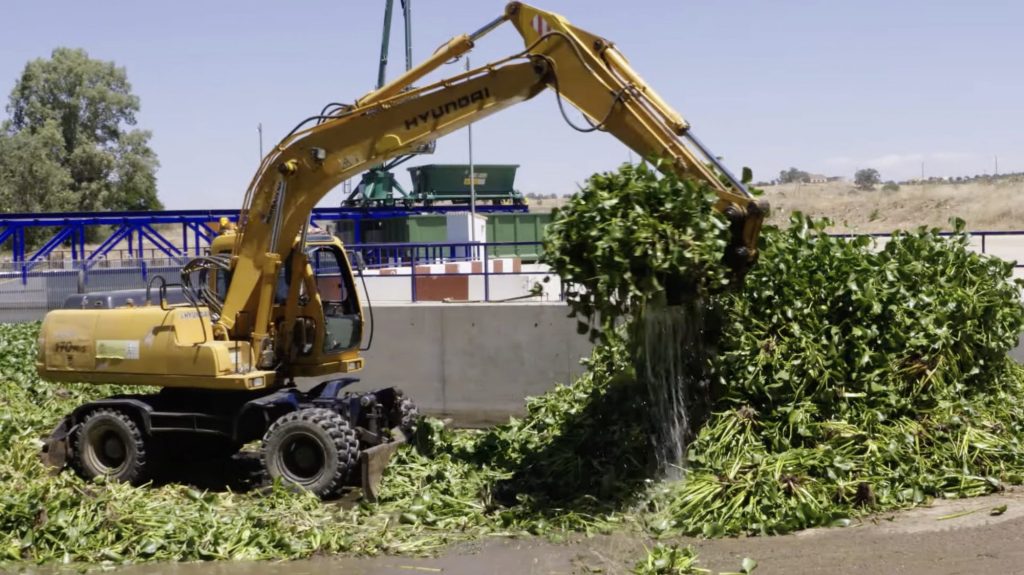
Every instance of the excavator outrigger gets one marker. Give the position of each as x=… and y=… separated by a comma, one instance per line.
x=275, y=299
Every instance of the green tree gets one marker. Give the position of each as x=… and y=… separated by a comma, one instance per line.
x=32, y=178
x=70, y=124
x=794, y=176
x=867, y=178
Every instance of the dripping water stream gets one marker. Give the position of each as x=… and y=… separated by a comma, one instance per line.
x=672, y=350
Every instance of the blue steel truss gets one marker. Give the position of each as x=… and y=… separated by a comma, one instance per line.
x=136, y=228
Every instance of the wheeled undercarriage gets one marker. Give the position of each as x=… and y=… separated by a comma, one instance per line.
x=322, y=440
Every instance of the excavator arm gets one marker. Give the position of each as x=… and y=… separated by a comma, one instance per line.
x=581, y=68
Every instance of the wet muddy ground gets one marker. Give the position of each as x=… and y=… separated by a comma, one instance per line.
x=947, y=538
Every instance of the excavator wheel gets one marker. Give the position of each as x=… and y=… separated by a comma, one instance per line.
x=109, y=443
x=314, y=449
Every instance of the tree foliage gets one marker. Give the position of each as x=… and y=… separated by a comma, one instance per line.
x=69, y=143
x=794, y=176
x=867, y=178
x=32, y=178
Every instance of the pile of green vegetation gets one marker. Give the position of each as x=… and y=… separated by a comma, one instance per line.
x=841, y=379
x=845, y=377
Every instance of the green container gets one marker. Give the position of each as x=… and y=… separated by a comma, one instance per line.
x=414, y=229
x=427, y=229
x=517, y=228
x=346, y=231
x=432, y=229
x=451, y=182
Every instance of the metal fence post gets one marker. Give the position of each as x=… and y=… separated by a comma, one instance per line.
x=487, y=278
x=412, y=274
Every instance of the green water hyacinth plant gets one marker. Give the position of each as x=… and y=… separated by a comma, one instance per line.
x=846, y=377
x=631, y=235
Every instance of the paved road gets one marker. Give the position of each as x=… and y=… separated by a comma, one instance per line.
x=939, y=540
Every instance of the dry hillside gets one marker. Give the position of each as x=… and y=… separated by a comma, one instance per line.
x=984, y=206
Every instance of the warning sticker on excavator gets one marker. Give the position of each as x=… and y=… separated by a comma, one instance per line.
x=117, y=349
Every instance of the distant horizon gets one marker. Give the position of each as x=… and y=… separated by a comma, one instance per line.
x=829, y=89
x=918, y=178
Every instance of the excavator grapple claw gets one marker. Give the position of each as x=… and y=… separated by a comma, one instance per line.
x=56, y=450
x=373, y=462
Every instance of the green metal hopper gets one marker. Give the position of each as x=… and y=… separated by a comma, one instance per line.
x=451, y=183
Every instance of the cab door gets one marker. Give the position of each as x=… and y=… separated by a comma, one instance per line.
x=343, y=322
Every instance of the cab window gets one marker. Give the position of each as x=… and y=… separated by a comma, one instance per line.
x=343, y=325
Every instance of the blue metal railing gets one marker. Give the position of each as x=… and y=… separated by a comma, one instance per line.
x=983, y=236
x=383, y=255
x=413, y=256
x=42, y=285
x=136, y=227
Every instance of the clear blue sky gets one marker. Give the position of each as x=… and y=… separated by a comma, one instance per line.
x=825, y=86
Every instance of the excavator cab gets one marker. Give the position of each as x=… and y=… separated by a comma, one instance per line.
x=316, y=297
x=343, y=322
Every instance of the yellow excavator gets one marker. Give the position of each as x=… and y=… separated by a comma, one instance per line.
x=275, y=299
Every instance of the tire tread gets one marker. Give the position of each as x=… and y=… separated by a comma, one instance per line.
x=337, y=429
x=138, y=472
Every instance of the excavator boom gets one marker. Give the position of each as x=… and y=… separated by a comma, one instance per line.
x=581, y=68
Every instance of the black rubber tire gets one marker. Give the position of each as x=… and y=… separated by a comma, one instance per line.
x=109, y=443
x=314, y=449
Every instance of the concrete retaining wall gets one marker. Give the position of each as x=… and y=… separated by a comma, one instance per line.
x=508, y=279
x=476, y=363
x=473, y=362
x=1017, y=353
